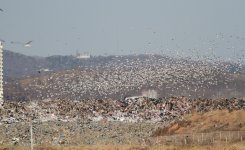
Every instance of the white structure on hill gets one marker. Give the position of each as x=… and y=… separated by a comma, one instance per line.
x=1, y=73
x=83, y=55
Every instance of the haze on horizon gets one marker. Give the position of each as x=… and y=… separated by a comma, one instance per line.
x=109, y=27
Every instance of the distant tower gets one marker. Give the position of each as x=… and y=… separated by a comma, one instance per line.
x=1, y=73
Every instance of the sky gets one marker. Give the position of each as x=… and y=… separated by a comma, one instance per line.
x=113, y=27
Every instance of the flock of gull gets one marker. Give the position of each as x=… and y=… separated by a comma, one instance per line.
x=126, y=76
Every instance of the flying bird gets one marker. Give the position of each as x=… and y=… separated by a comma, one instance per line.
x=1, y=9
x=28, y=44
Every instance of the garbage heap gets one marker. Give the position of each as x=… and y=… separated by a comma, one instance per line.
x=134, y=109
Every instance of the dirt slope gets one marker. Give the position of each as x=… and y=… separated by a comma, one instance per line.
x=219, y=120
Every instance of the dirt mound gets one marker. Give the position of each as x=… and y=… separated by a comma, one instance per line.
x=218, y=120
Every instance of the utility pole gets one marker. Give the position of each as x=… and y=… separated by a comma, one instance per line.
x=1, y=74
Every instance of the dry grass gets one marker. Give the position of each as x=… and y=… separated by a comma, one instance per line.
x=216, y=120
x=220, y=146
x=220, y=120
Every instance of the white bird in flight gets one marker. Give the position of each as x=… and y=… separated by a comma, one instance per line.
x=27, y=44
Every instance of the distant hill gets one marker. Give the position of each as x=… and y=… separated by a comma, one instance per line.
x=17, y=65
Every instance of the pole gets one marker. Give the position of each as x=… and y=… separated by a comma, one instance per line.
x=31, y=137
x=1, y=74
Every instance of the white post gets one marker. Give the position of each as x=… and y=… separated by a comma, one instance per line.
x=1, y=74
x=31, y=137
x=229, y=135
x=202, y=138
x=185, y=140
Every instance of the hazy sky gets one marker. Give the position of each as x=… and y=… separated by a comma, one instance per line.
x=177, y=27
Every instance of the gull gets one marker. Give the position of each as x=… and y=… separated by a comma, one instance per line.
x=28, y=44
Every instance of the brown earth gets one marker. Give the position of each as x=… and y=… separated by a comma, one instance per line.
x=219, y=146
x=218, y=120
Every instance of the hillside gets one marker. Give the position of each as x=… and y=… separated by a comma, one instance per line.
x=17, y=65
x=201, y=122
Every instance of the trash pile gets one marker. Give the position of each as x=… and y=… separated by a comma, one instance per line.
x=98, y=121
x=131, y=109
